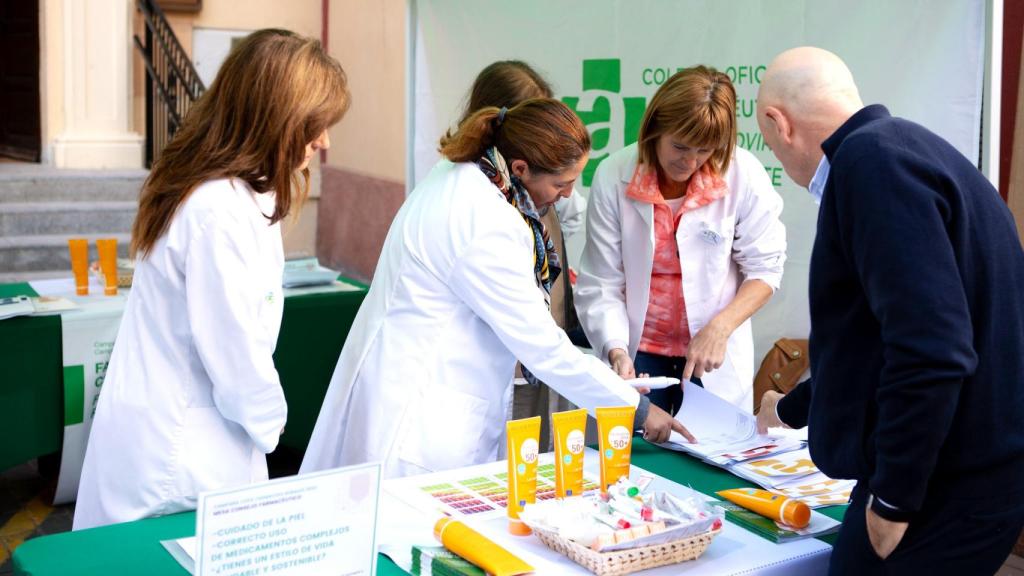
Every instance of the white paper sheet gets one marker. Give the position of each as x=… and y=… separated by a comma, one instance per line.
x=718, y=425
x=334, y=286
x=727, y=437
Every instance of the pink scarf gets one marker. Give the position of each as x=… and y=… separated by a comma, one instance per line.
x=705, y=187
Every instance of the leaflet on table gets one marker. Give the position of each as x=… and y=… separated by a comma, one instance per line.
x=333, y=286
x=306, y=272
x=478, y=491
x=49, y=305
x=724, y=433
x=817, y=490
x=15, y=306
x=727, y=437
x=322, y=523
x=756, y=448
x=820, y=524
x=814, y=489
x=34, y=306
x=777, y=470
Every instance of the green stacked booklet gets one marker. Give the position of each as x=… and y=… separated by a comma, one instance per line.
x=438, y=561
x=767, y=528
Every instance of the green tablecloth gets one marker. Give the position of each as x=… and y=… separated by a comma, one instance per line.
x=134, y=548
x=313, y=330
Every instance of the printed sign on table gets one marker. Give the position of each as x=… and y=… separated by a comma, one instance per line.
x=314, y=524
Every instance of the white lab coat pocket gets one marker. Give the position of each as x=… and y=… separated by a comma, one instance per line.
x=216, y=453
x=444, y=430
x=716, y=238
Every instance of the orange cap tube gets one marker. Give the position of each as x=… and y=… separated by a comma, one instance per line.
x=780, y=508
x=478, y=549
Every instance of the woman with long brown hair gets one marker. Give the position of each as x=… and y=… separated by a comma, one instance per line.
x=425, y=378
x=192, y=401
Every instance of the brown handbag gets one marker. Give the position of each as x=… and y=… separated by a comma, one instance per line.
x=781, y=368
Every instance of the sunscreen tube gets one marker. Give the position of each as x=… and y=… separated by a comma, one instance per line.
x=568, y=430
x=615, y=440
x=478, y=549
x=79, y=249
x=107, y=248
x=775, y=506
x=523, y=443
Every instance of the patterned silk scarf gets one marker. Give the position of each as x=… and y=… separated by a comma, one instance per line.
x=546, y=264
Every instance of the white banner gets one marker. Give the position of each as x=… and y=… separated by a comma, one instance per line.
x=606, y=58
x=87, y=337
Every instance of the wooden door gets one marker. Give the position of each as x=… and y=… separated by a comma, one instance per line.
x=20, y=128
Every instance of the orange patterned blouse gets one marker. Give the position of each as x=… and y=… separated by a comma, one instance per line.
x=666, y=331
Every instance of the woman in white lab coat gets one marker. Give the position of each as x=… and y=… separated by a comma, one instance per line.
x=506, y=83
x=191, y=401
x=684, y=244
x=424, y=380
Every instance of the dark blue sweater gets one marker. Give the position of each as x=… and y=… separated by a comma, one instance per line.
x=917, y=319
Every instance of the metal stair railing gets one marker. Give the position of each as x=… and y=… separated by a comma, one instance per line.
x=172, y=83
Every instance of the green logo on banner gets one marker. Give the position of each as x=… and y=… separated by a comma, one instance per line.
x=613, y=120
x=74, y=395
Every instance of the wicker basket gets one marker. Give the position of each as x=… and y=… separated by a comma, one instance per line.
x=632, y=560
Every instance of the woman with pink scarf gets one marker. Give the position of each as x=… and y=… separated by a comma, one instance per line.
x=684, y=244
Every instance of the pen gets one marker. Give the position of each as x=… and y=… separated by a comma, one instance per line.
x=654, y=383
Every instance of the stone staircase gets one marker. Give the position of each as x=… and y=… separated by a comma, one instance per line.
x=42, y=207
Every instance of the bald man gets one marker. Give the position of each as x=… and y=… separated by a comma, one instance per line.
x=917, y=329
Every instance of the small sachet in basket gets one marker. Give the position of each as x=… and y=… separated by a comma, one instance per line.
x=624, y=518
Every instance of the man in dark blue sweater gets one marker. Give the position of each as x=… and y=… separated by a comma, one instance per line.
x=917, y=329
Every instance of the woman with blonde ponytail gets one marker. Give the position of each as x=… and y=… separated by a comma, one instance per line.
x=460, y=292
x=191, y=401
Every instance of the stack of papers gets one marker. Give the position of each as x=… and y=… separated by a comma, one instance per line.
x=306, y=272
x=34, y=306
x=50, y=305
x=728, y=438
x=15, y=306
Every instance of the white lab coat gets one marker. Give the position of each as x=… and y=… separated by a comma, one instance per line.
x=722, y=244
x=424, y=381
x=191, y=400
